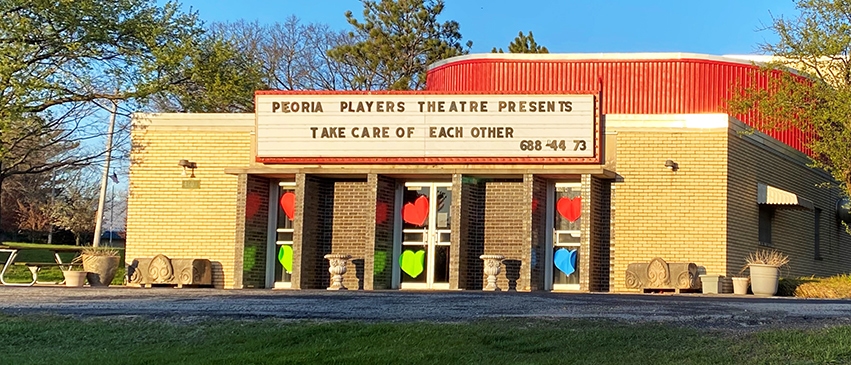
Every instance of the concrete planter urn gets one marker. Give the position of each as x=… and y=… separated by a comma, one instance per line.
x=764, y=279
x=100, y=269
x=493, y=264
x=337, y=268
x=740, y=285
x=74, y=278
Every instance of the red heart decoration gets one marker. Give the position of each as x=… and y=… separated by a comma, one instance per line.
x=380, y=212
x=416, y=212
x=252, y=205
x=288, y=204
x=570, y=208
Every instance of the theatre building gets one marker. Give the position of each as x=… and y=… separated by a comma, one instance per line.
x=571, y=166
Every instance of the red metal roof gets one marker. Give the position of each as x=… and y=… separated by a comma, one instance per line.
x=629, y=84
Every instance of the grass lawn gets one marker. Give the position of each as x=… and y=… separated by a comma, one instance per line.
x=52, y=339
x=20, y=273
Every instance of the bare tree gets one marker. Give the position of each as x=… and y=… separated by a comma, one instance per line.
x=75, y=207
x=293, y=55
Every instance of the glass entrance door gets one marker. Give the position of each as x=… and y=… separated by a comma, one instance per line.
x=283, y=251
x=565, y=218
x=424, y=257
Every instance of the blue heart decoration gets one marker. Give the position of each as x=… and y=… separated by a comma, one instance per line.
x=565, y=260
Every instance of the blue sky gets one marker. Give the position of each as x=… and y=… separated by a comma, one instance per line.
x=565, y=26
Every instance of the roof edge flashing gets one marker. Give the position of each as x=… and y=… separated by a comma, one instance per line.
x=637, y=56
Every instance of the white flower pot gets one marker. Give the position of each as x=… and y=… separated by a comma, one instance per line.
x=711, y=284
x=764, y=279
x=75, y=278
x=740, y=286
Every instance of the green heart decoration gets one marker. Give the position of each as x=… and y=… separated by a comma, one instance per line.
x=285, y=257
x=379, y=262
x=412, y=262
x=249, y=258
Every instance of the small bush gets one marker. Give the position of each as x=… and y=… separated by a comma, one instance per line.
x=834, y=287
x=787, y=286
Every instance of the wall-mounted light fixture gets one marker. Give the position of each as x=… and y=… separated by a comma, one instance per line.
x=671, y=165
x=188, y=165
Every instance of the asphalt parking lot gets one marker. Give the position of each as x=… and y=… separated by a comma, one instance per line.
x=703, y=311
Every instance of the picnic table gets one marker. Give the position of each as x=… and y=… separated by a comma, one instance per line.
x=13, y=248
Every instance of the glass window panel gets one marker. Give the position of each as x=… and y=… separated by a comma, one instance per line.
x=283, y=220
x=441, y=264
x=281, y=274
x=444, y=203
x=567, y=238
x=559, y=275
x=413, y=237
x=445, y=237
x=413, y=264
x=285, y=236
x=284, y=233
x=568, y=205
x=414, y=209
x=766, y=216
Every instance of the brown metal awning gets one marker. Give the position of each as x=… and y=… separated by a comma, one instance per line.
x=770, y=195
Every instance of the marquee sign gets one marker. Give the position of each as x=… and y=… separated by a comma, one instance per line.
x=426, y=128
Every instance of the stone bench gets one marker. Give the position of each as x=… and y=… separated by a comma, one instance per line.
x=162, y=270
x=658, y=275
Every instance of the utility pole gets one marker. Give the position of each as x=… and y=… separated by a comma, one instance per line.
x=105, y=178
x=52, y=205
x=111, y=212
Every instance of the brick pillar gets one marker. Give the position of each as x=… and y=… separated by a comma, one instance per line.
x=539, y=232
x=312, y=231
x=600, y=234
x=612, y=222
x=380, y=264
x=595, y=265
x=585, y=243
x=505, y=210
x=534, y=233
x=239, y=233
x=468, y=231
x=352, y=229
x=256, y=228
x=457, y=245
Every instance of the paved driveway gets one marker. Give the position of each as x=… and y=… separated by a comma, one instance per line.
x=703, y=311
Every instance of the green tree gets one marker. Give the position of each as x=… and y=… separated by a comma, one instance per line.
x=396, y=41
x=62, y=60
x=216, y=77
x=523, y=44
x=816, y=97
x=58, y=59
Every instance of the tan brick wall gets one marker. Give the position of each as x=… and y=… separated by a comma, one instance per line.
x=314, y=209
x=256, y=237
x=467, y=220
x=677, y=215
x=165, y=218
x=503, y=229
x=353, y=228
x=536, y=227
x=792, y=230
x=385, y=213
x=598, y=242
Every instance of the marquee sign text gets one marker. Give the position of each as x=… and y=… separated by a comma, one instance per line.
x=426, y=126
